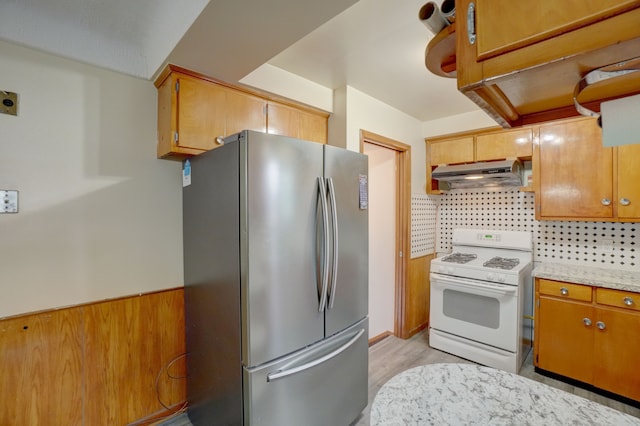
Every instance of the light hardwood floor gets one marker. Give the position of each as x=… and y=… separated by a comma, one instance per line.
x=393, y=355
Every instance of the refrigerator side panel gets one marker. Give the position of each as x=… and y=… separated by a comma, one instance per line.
x=279, y=209
x=348, y=301
x=324, y=384
x=212, y=288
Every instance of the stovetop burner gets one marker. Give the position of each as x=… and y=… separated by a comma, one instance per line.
x=501, y=263
x=460, y=258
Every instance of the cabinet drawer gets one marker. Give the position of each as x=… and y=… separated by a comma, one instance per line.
x=618, y=298
x=566, y=290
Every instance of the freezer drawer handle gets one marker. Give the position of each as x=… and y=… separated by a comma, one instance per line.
x=325, y=246
x=334, y=216
x=284, y=373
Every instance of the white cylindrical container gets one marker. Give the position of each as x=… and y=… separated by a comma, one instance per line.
x=448, y=10
x=431, y=17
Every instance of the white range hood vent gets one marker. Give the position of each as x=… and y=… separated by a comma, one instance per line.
x=492, y=174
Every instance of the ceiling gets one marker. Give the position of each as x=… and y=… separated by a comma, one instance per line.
x=374, y=46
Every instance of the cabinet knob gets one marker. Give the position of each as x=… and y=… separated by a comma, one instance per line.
x=605, y=202
x=564, y=291
x=625, y=201
x=220, y=140
x=628, y=301
x=601, y=325
x=586, y=321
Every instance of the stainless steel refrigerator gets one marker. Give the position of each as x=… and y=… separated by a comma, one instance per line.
x=276, y=283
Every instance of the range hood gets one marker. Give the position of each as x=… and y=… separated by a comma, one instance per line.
x=490, y=174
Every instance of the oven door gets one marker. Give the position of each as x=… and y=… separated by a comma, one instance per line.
x=477, y=310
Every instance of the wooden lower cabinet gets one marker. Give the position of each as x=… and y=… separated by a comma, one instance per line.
x=416, y=297
x=588, y=340
x=564, y=343
x=618, y=349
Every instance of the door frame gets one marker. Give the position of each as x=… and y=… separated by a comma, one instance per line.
x=403, y=222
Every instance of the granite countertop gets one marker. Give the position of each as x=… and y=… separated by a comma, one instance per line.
x=468, y=394
x=594, y=276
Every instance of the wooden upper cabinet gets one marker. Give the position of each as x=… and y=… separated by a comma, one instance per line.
x=451, y=151
x=628, y=182
x=244, y=111
x=195, y=110
x=505, y=25
x=526, y=58
x=575, y=172
x=190, y=115
x=201, y=113
x=502, y=145
x=285, y=120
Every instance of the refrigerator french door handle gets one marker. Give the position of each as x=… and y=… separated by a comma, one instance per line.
x=334, y=217
x=324, y=276
x=284, y=373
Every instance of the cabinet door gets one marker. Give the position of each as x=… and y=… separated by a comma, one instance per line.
x=628, y=178
x=313, y=127
x=289, y=121
x=502, y=145
x=452, y=151
x=283, y=120
x=505, y=25
x=200, y=113
x=244, y=112
x=617, y=347
x=564, y=339
x=576, y=172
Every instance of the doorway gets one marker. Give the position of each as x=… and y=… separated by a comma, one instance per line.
x=389, y=239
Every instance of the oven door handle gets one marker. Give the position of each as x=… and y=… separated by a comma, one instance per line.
x=475, y=285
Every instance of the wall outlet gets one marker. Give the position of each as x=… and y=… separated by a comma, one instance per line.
x=8, y=103
x=606, y=244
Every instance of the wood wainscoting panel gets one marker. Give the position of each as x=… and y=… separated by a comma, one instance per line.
x=417, y=298
x=127, y=347
x=94, y=364
x=41, y=368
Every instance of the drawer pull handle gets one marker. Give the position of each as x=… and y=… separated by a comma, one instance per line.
x=586, y=321
x=564, y=291
x=601, y=325
x=605, y=202
x=625, y=201
x=628, y=301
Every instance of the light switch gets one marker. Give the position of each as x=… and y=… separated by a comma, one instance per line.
x=8, y=201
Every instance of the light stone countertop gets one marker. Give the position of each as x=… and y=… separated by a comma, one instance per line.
x=468, y=394
x=594, y=276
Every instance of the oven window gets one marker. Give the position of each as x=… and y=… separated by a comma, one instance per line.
x=471, y=308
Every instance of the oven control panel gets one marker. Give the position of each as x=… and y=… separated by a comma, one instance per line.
x=486, y=236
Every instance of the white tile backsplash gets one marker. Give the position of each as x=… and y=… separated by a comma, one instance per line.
x=601, y=244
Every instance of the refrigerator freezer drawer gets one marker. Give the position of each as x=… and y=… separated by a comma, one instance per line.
x=324, y=384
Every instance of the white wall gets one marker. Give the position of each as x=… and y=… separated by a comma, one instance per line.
x=364, y=112
x=382, y=238
x=100, y=216
x=457, y=123
x=276, y=80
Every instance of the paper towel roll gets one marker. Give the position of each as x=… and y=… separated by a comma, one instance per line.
x=432, y=18
x=621, y=121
